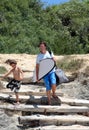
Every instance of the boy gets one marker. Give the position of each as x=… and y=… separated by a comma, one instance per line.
x=15, y=83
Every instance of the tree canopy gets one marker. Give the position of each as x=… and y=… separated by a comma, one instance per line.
x=24, y=23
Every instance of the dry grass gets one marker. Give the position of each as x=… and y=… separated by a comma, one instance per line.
x=70, y=64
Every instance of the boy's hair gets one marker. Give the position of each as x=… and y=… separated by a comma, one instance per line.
x=11, y=61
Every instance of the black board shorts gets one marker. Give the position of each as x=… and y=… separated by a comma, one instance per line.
x=14, y=85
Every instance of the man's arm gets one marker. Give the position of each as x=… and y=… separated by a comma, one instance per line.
x=37, y=71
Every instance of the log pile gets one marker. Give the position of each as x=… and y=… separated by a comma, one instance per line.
x=37, y=113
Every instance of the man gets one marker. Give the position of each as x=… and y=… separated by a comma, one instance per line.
x=50, y=78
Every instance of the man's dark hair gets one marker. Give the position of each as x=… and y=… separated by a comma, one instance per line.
x=42, y=43
x=47, y=47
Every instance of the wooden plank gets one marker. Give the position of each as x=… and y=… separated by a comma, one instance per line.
x=46, y=108
x=54, y=120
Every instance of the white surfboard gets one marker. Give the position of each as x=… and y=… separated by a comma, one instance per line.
x=45, y=66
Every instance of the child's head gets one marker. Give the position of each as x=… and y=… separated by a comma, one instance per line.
x=11, y=61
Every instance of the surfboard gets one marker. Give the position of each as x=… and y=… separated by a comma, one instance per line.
x=45, y=66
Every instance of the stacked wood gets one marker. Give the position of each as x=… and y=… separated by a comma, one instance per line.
x=71, y=111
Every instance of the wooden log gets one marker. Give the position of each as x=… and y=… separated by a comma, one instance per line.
x=54, y=120
x=64, y=127
x=37, y=99
x=13, y=97
x=27, y=92
x=31, y=99
x=46, y=108
x=75, y=102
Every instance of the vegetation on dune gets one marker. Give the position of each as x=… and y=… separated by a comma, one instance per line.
x=70, y=64
x=24, y=23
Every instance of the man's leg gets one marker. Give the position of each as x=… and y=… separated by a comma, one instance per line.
x=49, y=96
x=54, y=90
x=48, y=88
x=53, y=84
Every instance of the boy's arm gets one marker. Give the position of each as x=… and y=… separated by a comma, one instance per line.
x=8, y=73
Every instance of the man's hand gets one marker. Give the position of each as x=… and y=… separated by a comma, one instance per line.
x=38, y=81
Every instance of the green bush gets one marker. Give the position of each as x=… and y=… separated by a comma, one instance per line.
x=24, y=23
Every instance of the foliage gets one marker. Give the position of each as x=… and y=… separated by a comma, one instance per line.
x=24, y=23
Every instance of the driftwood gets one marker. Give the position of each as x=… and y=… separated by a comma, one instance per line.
x=54, y=120
x=66, y=127
x=31, y=99
x=75, y=102
x=46, y=108
x=32, y=93
x=38, y=99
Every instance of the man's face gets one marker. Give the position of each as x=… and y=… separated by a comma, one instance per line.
x=42, y=48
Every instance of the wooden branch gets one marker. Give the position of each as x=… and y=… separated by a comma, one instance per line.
x=54, y=120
